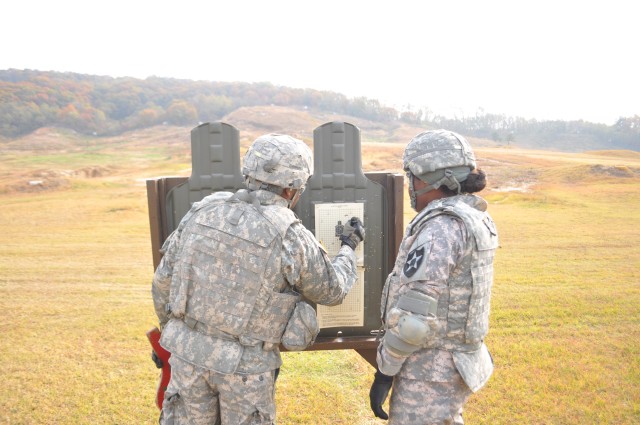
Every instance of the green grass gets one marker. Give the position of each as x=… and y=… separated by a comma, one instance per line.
x=76, y=267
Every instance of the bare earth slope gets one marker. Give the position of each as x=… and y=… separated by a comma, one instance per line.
x=50, y=158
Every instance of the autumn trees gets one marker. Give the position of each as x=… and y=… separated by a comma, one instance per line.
x=103, y=105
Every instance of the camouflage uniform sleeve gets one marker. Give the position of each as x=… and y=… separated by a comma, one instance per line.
x=434, y=255
x=308, y=268
x=161, y=283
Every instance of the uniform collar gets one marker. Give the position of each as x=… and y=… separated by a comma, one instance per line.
x=266, y=198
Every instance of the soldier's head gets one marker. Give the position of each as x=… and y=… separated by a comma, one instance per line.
x=280, y=164
x=437, y=160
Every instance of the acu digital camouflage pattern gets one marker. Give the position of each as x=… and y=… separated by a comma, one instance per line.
x=302, y=328
x=438, y=157
x=226, y=275
x=222, y=399
x=215, y=253
x=279, y=160
x=447, y=253
x=437, y=150
x=435, y=401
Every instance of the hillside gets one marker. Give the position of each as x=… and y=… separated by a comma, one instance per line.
x=53, y=158
x=107, y=107
x=300, y=123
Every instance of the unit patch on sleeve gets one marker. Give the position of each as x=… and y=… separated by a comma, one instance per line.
x=414, y=259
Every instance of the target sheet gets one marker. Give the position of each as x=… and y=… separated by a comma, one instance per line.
x=327, y=217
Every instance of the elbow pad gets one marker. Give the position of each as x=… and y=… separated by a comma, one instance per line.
x=410, y=323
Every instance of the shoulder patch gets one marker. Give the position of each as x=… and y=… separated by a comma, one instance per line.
x=414, y=260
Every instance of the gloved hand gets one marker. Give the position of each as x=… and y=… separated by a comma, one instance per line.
x=353, y=233
x=379, y=392
x=157, y=360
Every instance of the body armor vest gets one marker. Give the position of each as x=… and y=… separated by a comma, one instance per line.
x=463, y=307
x=227, y=278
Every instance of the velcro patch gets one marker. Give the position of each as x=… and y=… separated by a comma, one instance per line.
x=414, y=260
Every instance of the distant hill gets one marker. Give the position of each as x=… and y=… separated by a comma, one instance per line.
x=253, y=121
x=105, y=106
x=53, y=158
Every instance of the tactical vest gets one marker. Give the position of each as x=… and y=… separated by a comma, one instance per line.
x=463, y=307
x=222, y=285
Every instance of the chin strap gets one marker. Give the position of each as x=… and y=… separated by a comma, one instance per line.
x=413, y=194
x=295, y=198
x=448, y=179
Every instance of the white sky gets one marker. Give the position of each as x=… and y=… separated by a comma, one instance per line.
x=544, y=59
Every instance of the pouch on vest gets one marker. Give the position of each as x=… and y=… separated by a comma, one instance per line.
x=475, y=367
x=302, y=328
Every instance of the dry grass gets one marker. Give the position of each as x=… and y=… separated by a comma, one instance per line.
x=565, y=322
x=75, y=271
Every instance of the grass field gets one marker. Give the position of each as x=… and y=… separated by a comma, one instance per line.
x=76, y=267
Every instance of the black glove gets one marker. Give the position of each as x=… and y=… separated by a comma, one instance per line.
x=379, y=392
x=352, y=232
x=157, y=360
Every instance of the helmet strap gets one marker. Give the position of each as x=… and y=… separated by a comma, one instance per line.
x=253, y=184
x=449, y=180
x=413, y=194
x=295, y=197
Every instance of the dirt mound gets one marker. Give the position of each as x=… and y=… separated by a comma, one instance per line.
x=92, y=172
x=614, y=171
x=46, y=179
x=589, y=173
x=41, y=181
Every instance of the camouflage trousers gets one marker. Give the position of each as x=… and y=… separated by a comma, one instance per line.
x=416, y=402
x=199, y=396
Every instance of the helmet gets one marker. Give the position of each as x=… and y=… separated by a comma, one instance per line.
x=439, y=157
x=278, y=160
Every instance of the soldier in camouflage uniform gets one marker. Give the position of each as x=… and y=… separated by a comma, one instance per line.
x=228, y=289
x=435, y=303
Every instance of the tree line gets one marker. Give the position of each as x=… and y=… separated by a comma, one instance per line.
x=102, y=105
x=106, y=106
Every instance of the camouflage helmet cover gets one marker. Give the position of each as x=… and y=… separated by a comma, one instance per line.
x=279, y=160
x=432, y=155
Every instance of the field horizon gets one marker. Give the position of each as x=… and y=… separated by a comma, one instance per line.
x=76, y=269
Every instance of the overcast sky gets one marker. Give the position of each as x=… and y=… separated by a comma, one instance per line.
x=540, y=59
